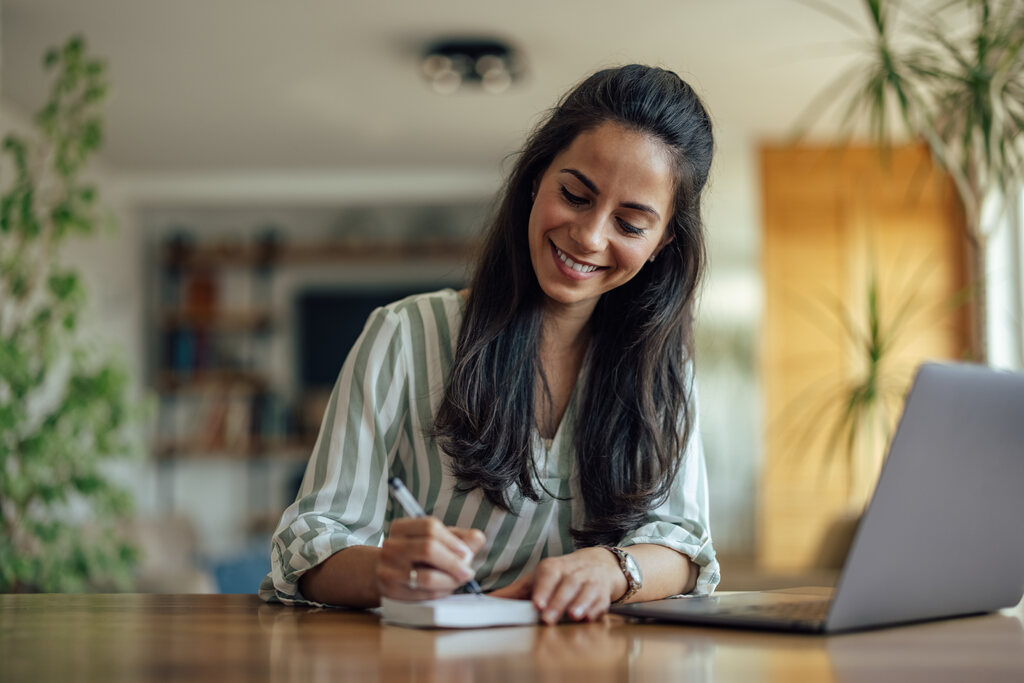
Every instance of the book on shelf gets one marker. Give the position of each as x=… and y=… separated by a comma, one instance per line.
x=201, y=289
x=208, y=421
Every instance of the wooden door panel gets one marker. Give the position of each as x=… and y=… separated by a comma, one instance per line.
x=829, y=219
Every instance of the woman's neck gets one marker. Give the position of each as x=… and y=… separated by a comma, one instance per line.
x=565, y=333
x=565, y=328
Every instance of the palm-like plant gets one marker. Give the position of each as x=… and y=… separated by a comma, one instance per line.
x=860, y=408
x=960, y=90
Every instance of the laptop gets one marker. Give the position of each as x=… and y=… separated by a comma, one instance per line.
x=943, y=535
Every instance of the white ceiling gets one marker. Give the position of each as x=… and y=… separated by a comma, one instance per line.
x=318, y=85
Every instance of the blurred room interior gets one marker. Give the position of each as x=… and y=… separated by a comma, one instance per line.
x=279, y=169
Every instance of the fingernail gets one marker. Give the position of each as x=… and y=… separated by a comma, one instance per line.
x=577, y=612
x=465, y=574
x=550, y=617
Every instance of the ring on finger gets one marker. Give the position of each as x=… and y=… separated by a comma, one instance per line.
x=413, y=576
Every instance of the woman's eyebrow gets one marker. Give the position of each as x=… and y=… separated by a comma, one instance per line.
x=583, y=179
x=593, y=188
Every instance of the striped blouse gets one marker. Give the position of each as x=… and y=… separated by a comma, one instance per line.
x=382, y=406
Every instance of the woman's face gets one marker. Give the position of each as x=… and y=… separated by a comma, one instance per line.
x=600, y=212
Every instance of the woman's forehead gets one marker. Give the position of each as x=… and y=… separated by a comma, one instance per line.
x=623, y=160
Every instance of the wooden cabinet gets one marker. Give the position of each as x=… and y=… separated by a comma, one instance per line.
x=833, y=219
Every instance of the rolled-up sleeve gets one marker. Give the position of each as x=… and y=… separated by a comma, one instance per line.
x=681, y=522
x=342, y=500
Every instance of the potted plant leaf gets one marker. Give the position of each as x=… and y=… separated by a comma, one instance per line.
x=858, y=410
x=951, y=74
x=66, y=405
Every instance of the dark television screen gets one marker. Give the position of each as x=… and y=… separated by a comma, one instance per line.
x=329, y=323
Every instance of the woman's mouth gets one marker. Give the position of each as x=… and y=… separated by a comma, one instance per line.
x=582, y=268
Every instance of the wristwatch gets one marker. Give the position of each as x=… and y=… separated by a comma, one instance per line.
x=630, y=569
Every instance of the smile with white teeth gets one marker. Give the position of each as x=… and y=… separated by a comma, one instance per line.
x=578, y=267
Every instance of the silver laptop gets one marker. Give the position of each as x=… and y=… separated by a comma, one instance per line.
x=943, y=535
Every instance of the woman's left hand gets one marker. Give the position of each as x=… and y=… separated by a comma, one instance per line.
x=580, y=585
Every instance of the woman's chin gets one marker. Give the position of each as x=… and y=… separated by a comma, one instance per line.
x=561, y=297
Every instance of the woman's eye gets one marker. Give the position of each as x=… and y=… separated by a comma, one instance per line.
x=573, y=199
x=630, y=229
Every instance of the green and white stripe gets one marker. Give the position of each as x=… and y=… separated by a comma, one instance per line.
x=379, y=412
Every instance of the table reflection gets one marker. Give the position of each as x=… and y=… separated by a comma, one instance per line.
x=236, y=637
x=302, y=647
x=332, y=645
x=971, y=648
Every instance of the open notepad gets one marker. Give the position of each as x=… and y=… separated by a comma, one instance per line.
x=466, y=610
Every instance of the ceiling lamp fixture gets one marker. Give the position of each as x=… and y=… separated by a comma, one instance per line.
x=467, y=63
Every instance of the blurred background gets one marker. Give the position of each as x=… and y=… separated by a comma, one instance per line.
x=277, y=170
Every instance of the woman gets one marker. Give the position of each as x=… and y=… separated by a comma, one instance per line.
x=544, y=418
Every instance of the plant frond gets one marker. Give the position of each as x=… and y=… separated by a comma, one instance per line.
x=821, y=103
x=835, y=13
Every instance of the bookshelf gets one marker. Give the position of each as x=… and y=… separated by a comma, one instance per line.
x=216, y=323
x=230, y=293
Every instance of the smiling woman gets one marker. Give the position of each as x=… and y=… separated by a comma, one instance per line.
x=597, y=215
x=544, y=418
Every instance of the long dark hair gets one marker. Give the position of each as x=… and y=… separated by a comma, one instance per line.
x=635, y=416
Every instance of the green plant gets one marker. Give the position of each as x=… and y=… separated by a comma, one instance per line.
x=65, y=406
x=859, y=409
x=959, y=88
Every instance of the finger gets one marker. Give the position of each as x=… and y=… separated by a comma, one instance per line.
x=431, y=581
x=563, y=596
x=393, y=583
x=430, y=584
x=474, y=539
x=407, y=526
x=598, y=610
x=441, y=557
x=547, y=578
x=588, y=604
x=427, y=552
x=431, y=527
x=419, y=544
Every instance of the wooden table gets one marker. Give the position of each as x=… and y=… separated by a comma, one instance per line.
x=237, y=637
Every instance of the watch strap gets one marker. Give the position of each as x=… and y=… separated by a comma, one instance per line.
x=630, y=570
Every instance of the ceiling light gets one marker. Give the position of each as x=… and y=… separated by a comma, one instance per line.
x=454, y=64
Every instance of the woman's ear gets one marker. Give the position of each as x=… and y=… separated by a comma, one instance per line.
x=664, y=241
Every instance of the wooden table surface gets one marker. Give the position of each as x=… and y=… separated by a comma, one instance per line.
x=237, y=637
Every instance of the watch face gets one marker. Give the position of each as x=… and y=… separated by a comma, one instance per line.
x=633, y=569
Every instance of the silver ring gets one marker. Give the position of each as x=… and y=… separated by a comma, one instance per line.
x=412, y=579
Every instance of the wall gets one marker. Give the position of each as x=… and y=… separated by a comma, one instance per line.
x=728, y=325
x=1004, y=280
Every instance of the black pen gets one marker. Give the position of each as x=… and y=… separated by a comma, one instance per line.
x=413, y=509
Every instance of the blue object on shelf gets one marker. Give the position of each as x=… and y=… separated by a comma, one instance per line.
x=242, y=573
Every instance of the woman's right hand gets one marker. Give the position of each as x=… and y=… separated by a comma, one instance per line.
x=422, y=559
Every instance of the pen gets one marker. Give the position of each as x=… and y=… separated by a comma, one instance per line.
x=413, y=509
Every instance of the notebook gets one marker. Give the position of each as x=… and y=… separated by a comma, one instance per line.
x=464, y=610
x=942, y=535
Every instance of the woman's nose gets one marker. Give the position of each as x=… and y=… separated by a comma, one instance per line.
x=589, y=233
